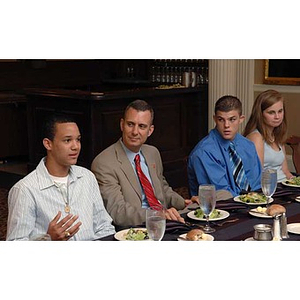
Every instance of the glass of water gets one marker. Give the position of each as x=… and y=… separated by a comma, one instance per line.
x=207, y=201
x=155, y=223
x=268, y=183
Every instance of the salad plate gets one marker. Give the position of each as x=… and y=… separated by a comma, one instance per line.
x=254, y=212
x=223, y=214
x=255, y=201
x=293, y=228
x=287, y=183
x=122, y=234
x=207, y=237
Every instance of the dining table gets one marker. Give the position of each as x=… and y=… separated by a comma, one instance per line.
x=238, y=225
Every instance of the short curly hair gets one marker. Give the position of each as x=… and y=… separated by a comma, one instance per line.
x=49, y=127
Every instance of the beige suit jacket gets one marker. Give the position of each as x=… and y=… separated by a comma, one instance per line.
x=120, y=189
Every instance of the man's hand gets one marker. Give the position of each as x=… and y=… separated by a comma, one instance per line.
x=64, y=229
x=173, y=214
x=194, y=199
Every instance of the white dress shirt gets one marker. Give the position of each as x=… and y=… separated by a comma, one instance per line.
x=35, y=200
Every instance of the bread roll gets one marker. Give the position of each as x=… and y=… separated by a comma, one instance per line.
x=194, y=235
x=275, y=209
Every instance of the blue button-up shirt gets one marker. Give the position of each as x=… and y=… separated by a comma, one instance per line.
x=209, y=163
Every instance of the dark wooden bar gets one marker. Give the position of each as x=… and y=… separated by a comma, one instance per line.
x=180, y=121
x=13, y=129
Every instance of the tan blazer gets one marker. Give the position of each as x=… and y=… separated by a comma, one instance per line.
x=120, y=189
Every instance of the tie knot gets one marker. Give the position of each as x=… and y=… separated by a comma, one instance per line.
x=137, y=158
x=231, y=146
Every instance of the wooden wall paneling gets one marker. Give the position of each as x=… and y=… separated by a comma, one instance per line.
x=13, y=129
x=180, y=122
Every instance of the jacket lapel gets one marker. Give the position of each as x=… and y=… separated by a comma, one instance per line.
x=127, y=169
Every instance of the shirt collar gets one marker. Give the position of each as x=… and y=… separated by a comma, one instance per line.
x=225, y=143
x=46, y=181
x=131, y=155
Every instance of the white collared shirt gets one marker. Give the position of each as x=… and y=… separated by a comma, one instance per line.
x=35, y=200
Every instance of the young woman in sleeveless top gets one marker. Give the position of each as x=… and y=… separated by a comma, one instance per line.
x=266, y=128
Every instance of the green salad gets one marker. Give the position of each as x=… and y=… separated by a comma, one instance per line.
x=136, y=234
x=294, y=181
x=199, y=214
x=253, y=197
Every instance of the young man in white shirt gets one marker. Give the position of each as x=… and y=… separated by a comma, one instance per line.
x=58, y=197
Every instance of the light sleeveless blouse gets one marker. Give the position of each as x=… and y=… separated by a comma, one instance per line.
x=273, y=159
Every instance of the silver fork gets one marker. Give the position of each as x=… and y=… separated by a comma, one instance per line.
x=227, y=221
x=193, y=224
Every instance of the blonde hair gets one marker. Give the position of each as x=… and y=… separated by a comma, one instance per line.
x=256, y=121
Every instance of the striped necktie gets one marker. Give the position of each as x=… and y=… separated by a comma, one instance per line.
x=238, y=169
x=147, y=187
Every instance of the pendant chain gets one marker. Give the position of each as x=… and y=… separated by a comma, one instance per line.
x=64, y=189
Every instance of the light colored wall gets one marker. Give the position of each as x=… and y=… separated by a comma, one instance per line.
x=254, y=81
x=259, y=71
x=290, y=93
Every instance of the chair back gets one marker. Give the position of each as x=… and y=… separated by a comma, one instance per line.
x=294, y=143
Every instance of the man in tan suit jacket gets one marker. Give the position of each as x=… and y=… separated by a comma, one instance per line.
x=119, y=185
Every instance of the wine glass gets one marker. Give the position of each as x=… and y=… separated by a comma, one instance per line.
x=268, y=183
x=155, y=222
x=207, y=200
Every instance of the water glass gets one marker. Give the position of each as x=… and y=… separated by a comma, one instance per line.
x=155, y=223
x=207, y=201
x=268, y=183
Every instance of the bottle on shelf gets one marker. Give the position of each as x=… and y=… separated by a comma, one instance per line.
x=171, y=71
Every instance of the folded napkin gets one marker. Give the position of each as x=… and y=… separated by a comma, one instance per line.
x=282, y=193
x=230, y=205
x=177, y=227
x=283, y=190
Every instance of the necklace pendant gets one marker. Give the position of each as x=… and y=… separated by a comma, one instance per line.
x=67, y=209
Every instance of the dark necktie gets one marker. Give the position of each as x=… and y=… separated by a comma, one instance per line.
x=238, y=169
x=147, y=187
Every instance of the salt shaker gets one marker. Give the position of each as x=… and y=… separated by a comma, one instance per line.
x=283, y=226
x=276, y=228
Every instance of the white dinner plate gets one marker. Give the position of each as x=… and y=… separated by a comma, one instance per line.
x=208, y=237
x=293, y=228
x=224, y=214
x=121, y=235
x=255, y=213
x=297, y=199
x=237, y=199
x=289, y=184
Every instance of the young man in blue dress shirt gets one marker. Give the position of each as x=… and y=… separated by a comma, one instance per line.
x=209, y=161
